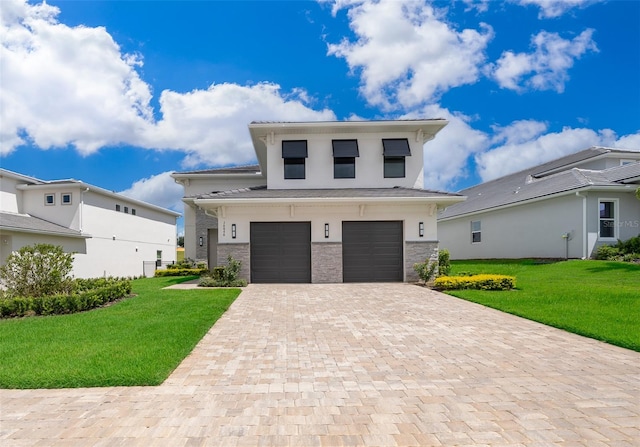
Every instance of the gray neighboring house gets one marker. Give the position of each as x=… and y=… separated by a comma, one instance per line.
x=329, y=202
x=565, y=208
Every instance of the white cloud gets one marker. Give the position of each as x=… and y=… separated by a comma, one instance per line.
x=63, y=85
x=211, y=125
x=160, y=190
x=66, y=85
x=629, y=142
x=406, y=53
x=546, y=68
x=446, y=156
x=539, y=147
x=555, y=8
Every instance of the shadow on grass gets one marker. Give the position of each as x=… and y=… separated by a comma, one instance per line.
x=171, y=280
x=606, y=266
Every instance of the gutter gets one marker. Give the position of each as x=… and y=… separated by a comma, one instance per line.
x=584, y=223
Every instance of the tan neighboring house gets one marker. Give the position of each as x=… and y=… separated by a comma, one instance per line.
x=327, y=202
x=565, y=208
x=112, y=235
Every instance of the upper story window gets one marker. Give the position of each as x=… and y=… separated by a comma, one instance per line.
x=49, y=199
x=126, y=209
x=476, y=232
x=344, y=158
x=607, y=224
x=626, y=161
x=294, y=153
x=66, y=198
x=117, y=207
x=395, y=150
x=133, y=211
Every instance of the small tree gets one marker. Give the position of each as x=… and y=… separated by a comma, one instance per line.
x=37, y=270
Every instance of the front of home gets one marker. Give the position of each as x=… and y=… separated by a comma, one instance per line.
x=109, y=234
x=328, y=202
x=565, y=208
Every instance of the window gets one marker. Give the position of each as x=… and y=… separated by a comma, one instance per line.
x=476, y=232
x=294, y=154
x=133, y=211
x=294, y=168
x=607, y=228
x=158, y=258
x=117, y=207
x=395, y=150
x=49, y=199
x=126, y=209
x=66, y=198
x=394, y=167
x=344, y=158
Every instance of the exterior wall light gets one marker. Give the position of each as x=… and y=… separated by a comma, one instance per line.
x=200, y=241
x=233, y=231
x=421, y=229
x=326, y=231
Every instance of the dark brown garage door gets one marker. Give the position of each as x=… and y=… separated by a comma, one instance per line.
x=372, y=251
x=280, y=252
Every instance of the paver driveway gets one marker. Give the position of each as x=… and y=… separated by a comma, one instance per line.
x=365, y=364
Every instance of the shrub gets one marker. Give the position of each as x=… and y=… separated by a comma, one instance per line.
x=629, y=246
x=106, y=290
x=37, y=270
x=444, y=263
x=181, y=272
x=481, y=282
x=426, y=270
x=607, y=253
x=225, y=276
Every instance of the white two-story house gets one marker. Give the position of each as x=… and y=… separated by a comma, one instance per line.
x=327, y=202
x=110, y=234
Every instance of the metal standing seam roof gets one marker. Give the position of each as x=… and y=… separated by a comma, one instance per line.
x=261, y=192
x=31, y=224
x=522, y=186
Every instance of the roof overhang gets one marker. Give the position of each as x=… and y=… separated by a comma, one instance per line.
x=5, y=229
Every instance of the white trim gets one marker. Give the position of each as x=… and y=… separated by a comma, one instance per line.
x=616, y=219
x=70, y=202
x=476, y=231
x=46, y=196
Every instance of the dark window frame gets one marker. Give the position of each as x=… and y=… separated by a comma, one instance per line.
x=344, y=167
x=46, y=199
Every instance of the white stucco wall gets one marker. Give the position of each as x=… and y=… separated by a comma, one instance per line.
x=369, y=165
x=318, y=215
x=10, y=197
x=533, y=230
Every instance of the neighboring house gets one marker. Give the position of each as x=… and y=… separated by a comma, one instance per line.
x=328, y=202
x=112, y=235
x=565, y=208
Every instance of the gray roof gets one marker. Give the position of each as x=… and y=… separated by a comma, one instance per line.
x=524, y=185
x=250, y=169
x=261, y=192
x=30, y=224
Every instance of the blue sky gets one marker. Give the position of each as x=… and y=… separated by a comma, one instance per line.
x=119, y=94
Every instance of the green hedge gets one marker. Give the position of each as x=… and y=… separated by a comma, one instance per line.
x=181, y=272
x=107, y=291
x=481, y=282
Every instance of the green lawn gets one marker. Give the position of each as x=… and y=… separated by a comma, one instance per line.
x=137, y=341
x=598, y=299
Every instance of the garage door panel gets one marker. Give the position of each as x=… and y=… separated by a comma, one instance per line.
x=280, y=252
x=372, y=251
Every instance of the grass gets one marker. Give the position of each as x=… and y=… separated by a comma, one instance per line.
x=137, y=341
x=597, y=299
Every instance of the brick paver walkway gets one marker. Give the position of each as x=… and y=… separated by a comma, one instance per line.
x=366, y=364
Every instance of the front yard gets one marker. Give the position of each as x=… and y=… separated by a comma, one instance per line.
x=137, y=341
x=597, y=299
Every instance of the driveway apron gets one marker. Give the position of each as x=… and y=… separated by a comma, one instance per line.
x=355, y=364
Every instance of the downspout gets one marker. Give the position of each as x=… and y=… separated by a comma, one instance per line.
x=584, y=224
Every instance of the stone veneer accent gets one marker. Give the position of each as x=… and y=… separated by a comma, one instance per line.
x=326, y=262
x=203, y=223
x=416, y=252
x=239, y=252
